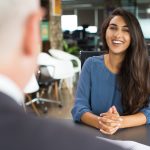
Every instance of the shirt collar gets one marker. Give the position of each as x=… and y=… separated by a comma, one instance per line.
x=9, y=87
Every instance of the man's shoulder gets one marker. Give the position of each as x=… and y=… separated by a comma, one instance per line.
x=20, y=130
x=6, y=101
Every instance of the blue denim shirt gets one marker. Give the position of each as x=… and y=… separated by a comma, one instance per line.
x=98, y=90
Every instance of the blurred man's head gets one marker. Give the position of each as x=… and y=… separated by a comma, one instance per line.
x=19, y=39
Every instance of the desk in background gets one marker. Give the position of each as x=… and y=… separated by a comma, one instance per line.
x=139, y=134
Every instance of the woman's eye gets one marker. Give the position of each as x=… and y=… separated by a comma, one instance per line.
x=112, y=28
x=126, y=30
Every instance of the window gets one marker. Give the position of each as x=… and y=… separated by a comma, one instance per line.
x=69, y=22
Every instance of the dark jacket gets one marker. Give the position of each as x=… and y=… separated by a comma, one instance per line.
x=22, y=131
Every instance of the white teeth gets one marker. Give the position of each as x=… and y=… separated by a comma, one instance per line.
x=117, y=42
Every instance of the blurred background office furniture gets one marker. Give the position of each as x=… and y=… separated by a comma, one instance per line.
x=59, y=70
x=85, y=54
x=48, y=87
x=33, y=87
x=62, y=55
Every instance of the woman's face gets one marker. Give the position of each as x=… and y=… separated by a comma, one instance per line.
x=117, y=35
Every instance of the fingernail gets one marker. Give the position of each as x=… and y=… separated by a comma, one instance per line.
x=101, y=130
x=120, y=119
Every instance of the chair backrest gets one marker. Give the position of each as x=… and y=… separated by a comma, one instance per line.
x=32, y=86
x=85, y=54
x=62, y=55
x=44, y=77
x=58, y=69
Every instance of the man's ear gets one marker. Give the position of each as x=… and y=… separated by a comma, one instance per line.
x=31, y=40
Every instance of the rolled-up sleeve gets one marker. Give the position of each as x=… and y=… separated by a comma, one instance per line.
x=82, y=98
x=146, y=112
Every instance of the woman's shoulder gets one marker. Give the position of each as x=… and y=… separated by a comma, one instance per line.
x=95, y=59
x=93, y=62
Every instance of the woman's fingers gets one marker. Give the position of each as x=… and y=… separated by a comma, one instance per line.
x=107, y=129
x=110, y=122
x=110, y=133
x=114, y=110
x=110, y=110
x=114, y=117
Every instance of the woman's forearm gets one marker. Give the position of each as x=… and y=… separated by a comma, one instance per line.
x=90, y=119
x=128, y=121
x=133, y=120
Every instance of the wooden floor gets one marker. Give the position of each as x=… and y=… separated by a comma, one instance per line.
x=65, y=110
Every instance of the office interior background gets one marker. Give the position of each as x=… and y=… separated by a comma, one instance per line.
x=75, y=25
x=80, y=20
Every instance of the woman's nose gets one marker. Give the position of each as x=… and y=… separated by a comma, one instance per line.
x=118, y=33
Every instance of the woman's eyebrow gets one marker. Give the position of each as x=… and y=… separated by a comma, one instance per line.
x=117, y=25
x=112, y=24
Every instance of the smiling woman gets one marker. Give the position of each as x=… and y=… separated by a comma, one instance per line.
x=117, y=35
x=114, y=89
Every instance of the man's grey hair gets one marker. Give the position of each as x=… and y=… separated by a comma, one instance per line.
x=13, y=15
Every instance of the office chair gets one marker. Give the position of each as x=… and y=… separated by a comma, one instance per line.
x=63, y=68
x=32, y=87
x=46, y=83
x=76, y=63
x=85, y=54
x=38, y=86
x=62, y=55
x=58, y=69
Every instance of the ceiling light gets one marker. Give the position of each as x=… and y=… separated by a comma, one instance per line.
x=148, y=10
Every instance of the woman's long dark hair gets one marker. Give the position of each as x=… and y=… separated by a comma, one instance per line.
x=134, y=75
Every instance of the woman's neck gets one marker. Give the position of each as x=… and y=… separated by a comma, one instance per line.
x=113, y=62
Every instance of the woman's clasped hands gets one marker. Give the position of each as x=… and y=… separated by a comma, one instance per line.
x=110, y=121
